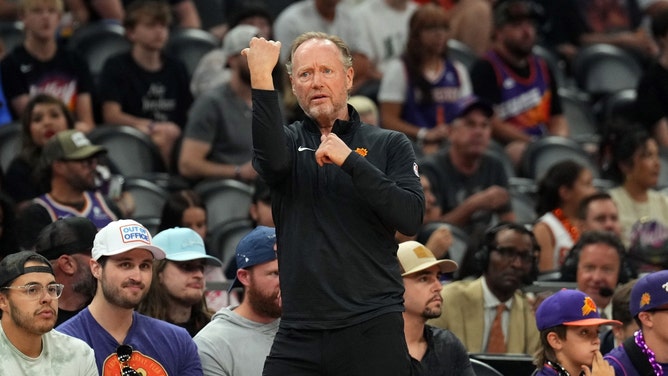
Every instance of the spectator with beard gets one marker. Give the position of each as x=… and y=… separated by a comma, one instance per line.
x=518, y=82
x=123, y=339
x=68, y=163
x=28, y=308
x=177, y=293
x=433, y=351
x=66, y=243
x=217, y=140
x=255, y=321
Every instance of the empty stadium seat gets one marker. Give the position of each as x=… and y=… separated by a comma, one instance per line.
x=223, y=239
x=11, y=34
x=580, y=116
x=189, y=45
x=225, y=200
x=602, y=69
x=547, y=151
x=10, y=143
x=132, y=152
x=149, y=198
x=462, y=53
x=98, y=41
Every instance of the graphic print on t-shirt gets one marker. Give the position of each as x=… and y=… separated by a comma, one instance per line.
x=144, y=365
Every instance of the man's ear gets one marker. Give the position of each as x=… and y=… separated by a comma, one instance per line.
x=95, y=269
x=4, y=303
x=243, y=276
x=67, y=264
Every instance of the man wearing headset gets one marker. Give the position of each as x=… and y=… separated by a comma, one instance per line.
x=490, y=314
x=596, y=263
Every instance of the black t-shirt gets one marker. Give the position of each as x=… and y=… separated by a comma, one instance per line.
x=65, y=76
x=452, y=188
x=163, y=95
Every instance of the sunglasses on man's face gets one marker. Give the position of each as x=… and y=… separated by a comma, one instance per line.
x=124, y=354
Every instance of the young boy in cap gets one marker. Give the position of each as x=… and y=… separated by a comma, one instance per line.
x=255, y=321
x=434, y=351
x=568, y=322
x=646, y=353
x=29, y=307
x=123, y=339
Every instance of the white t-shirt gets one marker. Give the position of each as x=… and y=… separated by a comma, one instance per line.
x=385, y=29
x=302, y=16
x=61, y=355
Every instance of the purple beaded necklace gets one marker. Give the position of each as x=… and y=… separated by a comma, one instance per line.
x=640, y=341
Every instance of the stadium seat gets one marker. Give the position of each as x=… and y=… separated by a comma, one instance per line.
x=97, y=42
x=580, y=116
x=617, y=106
x=149, y=197
x=483, y=369
x=132, y=152
x=223, y=239
x=547, y=151
x=460, y=240
x=189, y=45
x=225, y=200
x=462, y=53
x=11, y=34
x=10, y=143
x=602, y=69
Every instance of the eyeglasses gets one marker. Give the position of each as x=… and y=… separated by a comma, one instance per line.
x=124, y=354
x=36, y=291
x=511, y=254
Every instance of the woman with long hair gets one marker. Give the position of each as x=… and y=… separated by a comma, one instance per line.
x=177, y=290
x=184, y=208
x=43, y=117
x=418, y=92
x=560, y=191
x=636, y=167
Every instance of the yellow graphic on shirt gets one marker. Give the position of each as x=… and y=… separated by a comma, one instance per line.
x=144, y=365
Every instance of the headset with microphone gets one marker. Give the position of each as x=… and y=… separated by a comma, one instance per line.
x=570, y=266
x=481, y=256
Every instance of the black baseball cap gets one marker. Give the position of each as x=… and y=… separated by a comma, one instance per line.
x=66, y=236
x=13, y=266
x=509, y=11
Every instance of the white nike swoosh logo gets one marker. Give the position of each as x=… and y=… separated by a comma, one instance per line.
x=302, y=148
x=25, y=68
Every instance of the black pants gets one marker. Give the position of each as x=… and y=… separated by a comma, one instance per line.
x=374, y=347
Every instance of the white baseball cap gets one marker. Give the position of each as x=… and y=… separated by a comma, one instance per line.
x=121, y=236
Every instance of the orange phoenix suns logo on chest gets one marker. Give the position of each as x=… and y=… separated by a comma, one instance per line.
x=362, y=151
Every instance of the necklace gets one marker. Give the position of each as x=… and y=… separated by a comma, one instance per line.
x=572, y=230
x=640, y=341
x=558, y=368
